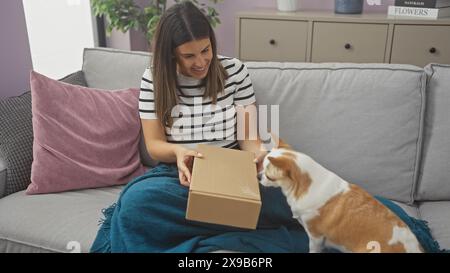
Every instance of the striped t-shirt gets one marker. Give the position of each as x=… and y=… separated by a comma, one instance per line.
x=195, y=119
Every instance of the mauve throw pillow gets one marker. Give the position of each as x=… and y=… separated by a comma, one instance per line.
x=16, y=138
x=83, y=137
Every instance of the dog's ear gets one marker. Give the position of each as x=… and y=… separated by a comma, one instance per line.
x=282, y=144
x=279, y=143
x=280, y=162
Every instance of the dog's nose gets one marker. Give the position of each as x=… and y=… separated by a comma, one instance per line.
x=259, y=176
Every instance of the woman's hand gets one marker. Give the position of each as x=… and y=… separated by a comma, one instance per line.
x=185, y=160
x=259, y=159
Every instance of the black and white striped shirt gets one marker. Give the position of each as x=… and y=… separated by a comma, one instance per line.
x=195, y=119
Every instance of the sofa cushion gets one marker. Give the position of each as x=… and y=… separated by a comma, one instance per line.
x=3, y=171
x=49, y=222
x=76, y=78
x=16, y=138
x=114, y=69
x=83, y=137
x=361, y=121
x=434, y=181
x=27, y=226
x=108, y=68
x=411, y=210
x=437, y=214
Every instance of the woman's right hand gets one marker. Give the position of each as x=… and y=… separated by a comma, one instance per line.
x=185, y=160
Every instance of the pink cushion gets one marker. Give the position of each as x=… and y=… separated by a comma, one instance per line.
x=83, y=137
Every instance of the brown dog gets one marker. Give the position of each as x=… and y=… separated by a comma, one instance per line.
x=333, y=211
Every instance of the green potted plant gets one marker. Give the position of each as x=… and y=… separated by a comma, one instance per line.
x=141, y=15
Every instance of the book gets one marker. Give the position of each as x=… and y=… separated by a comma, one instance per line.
x=425, y=13
x=423, y=3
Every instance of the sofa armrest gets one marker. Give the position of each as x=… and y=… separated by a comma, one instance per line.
x=2, y=177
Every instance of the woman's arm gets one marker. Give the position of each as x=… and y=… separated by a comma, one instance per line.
x=160, y=150
x=156, y=142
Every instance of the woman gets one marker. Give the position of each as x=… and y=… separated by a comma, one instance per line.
x=190, y=96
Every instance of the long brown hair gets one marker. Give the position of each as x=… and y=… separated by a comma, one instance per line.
x=181, y=23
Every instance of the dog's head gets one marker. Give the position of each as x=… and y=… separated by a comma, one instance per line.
x=281, y=169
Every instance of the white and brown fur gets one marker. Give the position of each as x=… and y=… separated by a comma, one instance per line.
x=334, y=212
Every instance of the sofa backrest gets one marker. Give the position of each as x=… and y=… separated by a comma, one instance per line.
x=109, y=68
x=434, y=183
x=361, y=121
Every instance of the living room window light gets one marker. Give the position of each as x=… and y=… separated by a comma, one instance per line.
x=58, y=31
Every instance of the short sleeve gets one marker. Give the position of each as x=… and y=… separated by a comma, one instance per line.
x=244, y=93
x=146, y=98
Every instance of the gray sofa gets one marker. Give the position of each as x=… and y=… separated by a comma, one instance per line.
x=385, y=127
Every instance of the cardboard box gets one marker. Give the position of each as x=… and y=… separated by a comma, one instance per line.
x=224, y=188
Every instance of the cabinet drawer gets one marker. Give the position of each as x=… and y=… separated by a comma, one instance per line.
x=421, y=45
x=273, y=40
x=349, y=42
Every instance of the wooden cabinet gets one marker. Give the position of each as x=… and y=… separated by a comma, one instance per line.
x=273, y=40
x=421, y=44
x=269, y=35
x=345, y=42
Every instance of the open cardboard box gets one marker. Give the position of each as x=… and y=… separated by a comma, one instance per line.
x=224, y=188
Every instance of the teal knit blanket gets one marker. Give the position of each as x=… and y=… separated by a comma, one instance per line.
x=419, y=227
x=149, y=216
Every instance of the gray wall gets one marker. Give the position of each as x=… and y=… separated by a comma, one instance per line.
x=15, y=57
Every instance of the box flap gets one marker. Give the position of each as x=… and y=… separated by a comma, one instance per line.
x=226, y=172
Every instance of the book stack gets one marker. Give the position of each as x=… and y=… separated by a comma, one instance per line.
x=425, y=9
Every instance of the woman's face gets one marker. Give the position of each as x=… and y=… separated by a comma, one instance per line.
x=194, y=58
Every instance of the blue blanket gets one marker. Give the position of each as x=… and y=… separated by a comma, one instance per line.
x=418, y=227
x=149, y=216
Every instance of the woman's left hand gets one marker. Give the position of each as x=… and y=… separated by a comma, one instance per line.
x=259, y=159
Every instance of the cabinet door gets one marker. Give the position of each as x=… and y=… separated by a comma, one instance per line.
x=420, y=45
x=349, y=42
x=273, y=40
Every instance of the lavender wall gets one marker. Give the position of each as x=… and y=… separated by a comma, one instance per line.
x=15, y=57
x=131, y=40
x=227, y=10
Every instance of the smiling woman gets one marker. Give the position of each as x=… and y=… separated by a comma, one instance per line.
x=210, y=90
x=189, y=88
x=185, y=44
x=194, y=58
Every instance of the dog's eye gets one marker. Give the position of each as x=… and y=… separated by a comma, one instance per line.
x=268, y=177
